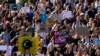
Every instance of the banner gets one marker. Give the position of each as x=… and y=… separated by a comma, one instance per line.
x=6, y=48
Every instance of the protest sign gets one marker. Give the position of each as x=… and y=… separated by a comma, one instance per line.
x=34, y=41
x=6, y=48
x=42, y=27
x=59, y=38
x=25, y=34
x=25, y=10
x=49, y=22
x=81, y=31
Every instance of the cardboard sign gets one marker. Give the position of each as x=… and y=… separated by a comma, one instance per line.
x=25, y=34
x=42, y=27
x=49, y=22
x=81, y=31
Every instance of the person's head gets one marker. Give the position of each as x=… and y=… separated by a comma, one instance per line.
x=5, y=30
x=82, y=15
x=96, y=30
x=56, y=21
x=14, y=27
x=7, y=23
x=26, y=4
x=42, y=5
x=12, y=13
x=47, y=4
x=22, y=29
x=36, y=13
x=1, y=42
x=97, y=52
x=65, y=22
x=58, y=48
x=42, y=1
x=68, y=26
x=57, y=7
x=86, y=1
x=5, y=5
x=85, y=52
x=78, y=18
x=41, y=42
x=39, y=50
x=57, y=53
x=93, y=35
x=93, y=24
x=90, y=7
x=58, y=27
x=67, y=8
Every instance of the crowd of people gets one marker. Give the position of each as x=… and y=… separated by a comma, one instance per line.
x=60, y=18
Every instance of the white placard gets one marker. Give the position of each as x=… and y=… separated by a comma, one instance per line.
x=25, y=9
x=67, y=14
x=6, y=48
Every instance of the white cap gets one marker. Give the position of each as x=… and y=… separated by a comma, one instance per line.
x=81, y=14
x=22, y=27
